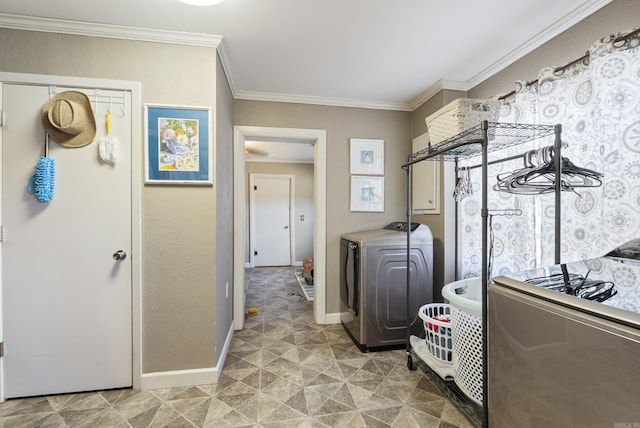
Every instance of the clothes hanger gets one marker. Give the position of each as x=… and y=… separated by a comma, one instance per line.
x=464, y=186
x=538, y=175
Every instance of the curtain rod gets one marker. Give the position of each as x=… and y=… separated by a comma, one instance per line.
x=584, y=59
x=507, y=95
x=557, y=71
x=617, y=42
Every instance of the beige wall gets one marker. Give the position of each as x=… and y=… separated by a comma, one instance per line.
x=343, y=123
x=224, y=209
x=437, y=223
x=178, y=222
x=303, y=203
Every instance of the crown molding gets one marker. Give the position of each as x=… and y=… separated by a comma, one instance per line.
x=541, y=38
x=228, y=69
x=434, y=89
x=78, y=28
x=327, y=101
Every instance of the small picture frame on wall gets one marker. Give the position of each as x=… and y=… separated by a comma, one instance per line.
x=367, y=193
x=367, y=156
x=178, y=145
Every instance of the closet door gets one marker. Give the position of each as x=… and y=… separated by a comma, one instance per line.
x=66, y=300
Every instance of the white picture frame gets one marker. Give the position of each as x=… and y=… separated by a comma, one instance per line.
x=367, y=193
x=366, y=157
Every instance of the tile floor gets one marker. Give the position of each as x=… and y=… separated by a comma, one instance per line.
x=282, y=371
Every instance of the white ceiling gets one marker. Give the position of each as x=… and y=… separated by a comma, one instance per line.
x=367, y=53
x=362, y=53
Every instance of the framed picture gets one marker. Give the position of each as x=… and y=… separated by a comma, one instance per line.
x=367, y=156
x=178, y=145
x=367, y=193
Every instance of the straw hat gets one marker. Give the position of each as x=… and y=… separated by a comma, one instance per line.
x=68, y=119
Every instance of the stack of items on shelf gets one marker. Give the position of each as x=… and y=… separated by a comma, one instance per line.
x=458, y=116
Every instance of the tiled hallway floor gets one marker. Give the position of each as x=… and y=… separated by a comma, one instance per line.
x=282, y=371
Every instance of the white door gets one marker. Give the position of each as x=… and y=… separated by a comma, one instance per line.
x=66, y=301
x=271, y=219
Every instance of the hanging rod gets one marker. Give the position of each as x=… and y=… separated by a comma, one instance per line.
x=494, y=161
x=501, y=160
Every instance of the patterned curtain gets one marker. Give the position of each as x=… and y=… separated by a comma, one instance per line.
x=597, y=102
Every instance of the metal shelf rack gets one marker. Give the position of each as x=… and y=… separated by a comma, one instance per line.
x=480, y=140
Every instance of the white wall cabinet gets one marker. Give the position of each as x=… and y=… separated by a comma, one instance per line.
x=425, y=181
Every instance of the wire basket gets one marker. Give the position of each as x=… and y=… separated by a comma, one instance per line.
x=437, y=328
x=465, y=297
x=458, y=116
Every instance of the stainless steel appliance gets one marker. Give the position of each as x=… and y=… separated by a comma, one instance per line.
x=373, y=283
x=558, y=359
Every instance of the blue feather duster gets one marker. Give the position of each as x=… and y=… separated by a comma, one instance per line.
x=45, y=175
x=45, y=179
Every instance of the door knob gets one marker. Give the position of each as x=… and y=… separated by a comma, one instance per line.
x=286, y=227
x=119, y=255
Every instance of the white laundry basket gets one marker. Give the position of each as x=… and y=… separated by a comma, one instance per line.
x=436, y=319
x=465, y=298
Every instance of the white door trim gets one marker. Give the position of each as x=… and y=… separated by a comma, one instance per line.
x=292, y=216
x=319, y=138
x=136, y=237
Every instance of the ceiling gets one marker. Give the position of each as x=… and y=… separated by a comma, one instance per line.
x=362, y=53
x=365, y=53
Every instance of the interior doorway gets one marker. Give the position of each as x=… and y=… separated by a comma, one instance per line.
x=310, y=136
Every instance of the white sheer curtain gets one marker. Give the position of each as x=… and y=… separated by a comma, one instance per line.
x=597, y=102
x=513, y=250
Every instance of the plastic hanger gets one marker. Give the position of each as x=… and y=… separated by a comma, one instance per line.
x=538, y=175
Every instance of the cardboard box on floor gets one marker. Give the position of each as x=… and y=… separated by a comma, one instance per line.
x=307, y=270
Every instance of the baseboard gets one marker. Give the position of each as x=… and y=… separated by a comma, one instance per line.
x=332, y=318
x=225, y=351
x=179, y=378
x=297, y=264
x=248, y=265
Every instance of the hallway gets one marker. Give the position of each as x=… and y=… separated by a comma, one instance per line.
x=282, y=371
